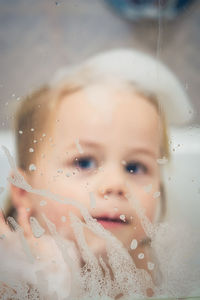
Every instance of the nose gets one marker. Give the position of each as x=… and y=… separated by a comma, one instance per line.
x=112, y=183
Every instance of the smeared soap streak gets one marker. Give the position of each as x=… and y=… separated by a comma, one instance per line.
x=80, y=150
x=66, y=248
x=23, y=241
x=127, y=279
x=92, y=200
x=36, y=228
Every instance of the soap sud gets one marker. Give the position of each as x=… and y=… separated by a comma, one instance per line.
x=156, y=195
x=150, y=266
x=122, y=217
x=32, y=167
x=141, y=255
x=110, y=275
x=134, y=244
x=36, y=228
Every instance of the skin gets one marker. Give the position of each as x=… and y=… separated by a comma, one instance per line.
x=117, y=133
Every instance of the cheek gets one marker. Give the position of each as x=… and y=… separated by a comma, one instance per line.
x=148, y=200
x=69, y=188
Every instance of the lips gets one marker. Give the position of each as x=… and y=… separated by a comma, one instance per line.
x=111, y=222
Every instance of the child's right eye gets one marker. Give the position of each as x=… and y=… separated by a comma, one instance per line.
x=85, y=163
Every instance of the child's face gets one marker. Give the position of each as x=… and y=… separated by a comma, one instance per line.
x=118, y=131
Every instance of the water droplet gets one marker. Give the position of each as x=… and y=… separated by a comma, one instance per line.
x=18, y=98
x=36, y=228
x=116, y=208
x=34, y=141
x=122, y=217
x=44, y=134
x=32, y=129
x=123, y=162
x=150, y=266
x=162, y=161
x=68, y=174
x=134, y=244
x=156, y=195
x=27, y=209
x=2, y=236
x=31, y=150
x=60, y=171
x=63, y=219
x=32, y=167
x=141, y=255
x=20, y=132
x=6, y=104
x=43, y=203
x=105, y=197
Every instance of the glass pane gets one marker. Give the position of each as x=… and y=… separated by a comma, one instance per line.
x=100, y=136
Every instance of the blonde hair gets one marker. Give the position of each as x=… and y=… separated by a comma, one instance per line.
x=34, y=117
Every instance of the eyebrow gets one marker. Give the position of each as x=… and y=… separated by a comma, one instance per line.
x=142, y=151
x=93, y=145
x=84, y=143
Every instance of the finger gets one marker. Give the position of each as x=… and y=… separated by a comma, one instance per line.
x=4, y=228
x=23, y=220
x=2, y=216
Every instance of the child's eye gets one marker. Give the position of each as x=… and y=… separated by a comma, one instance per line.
x=135, y=168
x=85, y=163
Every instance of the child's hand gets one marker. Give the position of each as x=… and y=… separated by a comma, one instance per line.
x=5, y=231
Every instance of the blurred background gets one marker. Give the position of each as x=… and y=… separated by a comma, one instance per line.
x=38, y=37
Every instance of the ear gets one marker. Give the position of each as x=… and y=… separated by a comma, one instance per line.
x=21, y=200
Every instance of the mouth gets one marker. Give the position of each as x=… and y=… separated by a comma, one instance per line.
x=110, y=223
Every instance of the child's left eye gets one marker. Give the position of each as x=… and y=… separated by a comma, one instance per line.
x=85, y=163
x=136, y=168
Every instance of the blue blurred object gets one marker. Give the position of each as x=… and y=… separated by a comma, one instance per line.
x=149, y=9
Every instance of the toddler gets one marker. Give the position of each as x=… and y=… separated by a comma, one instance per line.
x=87, y=190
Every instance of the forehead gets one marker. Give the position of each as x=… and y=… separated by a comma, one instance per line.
x=104, y=113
